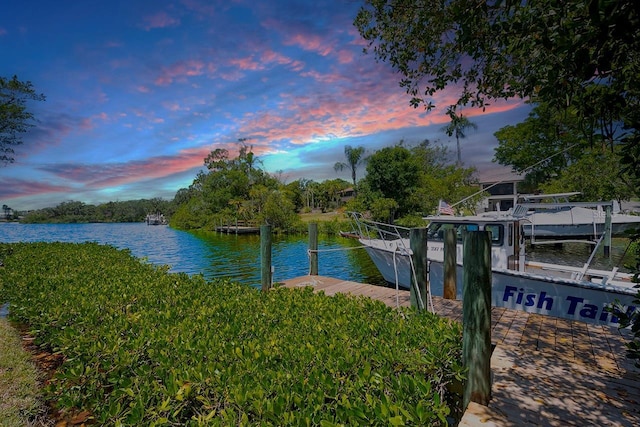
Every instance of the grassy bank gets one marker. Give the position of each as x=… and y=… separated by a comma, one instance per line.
x=21, y=400
x=140, y=346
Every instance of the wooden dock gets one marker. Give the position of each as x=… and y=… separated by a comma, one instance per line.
x=545, y=371
x=237, y=229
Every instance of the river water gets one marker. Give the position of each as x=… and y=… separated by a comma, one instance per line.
x=214, y=255
x=217, y=255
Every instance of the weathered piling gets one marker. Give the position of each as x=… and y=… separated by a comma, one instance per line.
x=450, y=288
x=418, y=244
x=607, y=232
x=265, y=256
x=313, y=248
x=476, y=316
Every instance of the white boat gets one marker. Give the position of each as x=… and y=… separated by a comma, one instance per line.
x=560, y=219
x=155, y=219
x=550, y=289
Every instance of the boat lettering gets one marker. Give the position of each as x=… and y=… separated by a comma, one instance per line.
x=573, y=307
x=589, y=311
x=529, y=299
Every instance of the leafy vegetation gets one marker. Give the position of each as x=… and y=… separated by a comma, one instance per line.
x=15, y=118
x=233, y=190
x=632, y=318
x=406, y=181
x=140, y=346
x=354, y=159
x=578, y=59
x=557, y=154
x=79, y=212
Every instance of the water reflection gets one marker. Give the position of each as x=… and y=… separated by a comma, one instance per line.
x=216, y=255
x=213, y=255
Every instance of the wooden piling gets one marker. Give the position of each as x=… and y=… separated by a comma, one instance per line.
x=265, y=256
x=607, y=232
x=418, y=244
x=313, y=249
x=476, y=317
x=450, y=288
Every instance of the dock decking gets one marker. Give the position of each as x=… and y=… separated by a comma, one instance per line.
x=546, y=371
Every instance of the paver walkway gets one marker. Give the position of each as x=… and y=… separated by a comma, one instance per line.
x=546, y=371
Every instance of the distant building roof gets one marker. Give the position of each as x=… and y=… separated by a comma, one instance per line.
x=498, y=174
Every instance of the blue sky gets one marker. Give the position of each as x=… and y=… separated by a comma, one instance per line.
x=139, y=92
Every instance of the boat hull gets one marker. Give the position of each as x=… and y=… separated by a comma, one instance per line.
x=533, y=293
x=549, y=296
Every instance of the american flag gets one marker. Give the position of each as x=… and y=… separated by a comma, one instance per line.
x=445, y=209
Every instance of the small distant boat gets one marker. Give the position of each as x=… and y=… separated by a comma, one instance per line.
x=156, y=219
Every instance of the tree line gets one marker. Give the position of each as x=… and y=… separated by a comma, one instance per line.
x=79, y=212
x=401, y=182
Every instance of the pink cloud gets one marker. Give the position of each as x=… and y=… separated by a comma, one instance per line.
x=174, y=106
x=11, y=188
x=3, y=32
x=324, y=78
x=159, y=20
x=269, y=56
x=348, y=112
x=311, y=43
x=345, y=56
x=98, y=176
x=246, y=64
x=181, y=70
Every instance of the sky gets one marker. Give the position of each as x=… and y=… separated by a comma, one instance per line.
x=139, y=92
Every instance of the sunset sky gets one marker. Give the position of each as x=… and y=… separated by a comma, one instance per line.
x=139, y=92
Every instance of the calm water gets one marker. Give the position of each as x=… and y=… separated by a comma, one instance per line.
x=210, y=254
x=238, y=257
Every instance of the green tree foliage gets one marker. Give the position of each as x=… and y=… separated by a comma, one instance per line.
x=15, y=118
x=6, y=211
x=354, y=160
x=542, y=146
x=596, y=176
x=577, y=55
x=79, y=212
x=233, y=189
x=393, y=173
x=551, y=148
x=457, y=127
x=415, y=178
x=328, y=193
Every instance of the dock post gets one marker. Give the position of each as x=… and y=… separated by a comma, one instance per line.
x=313, y=248
x=265, y=256
x=607, y=231
x=450, y=288
x=418, y=244
x=476, y=317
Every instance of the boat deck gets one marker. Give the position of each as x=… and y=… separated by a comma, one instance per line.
x=546, y=371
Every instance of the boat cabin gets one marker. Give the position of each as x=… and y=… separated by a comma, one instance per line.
x=506, y=238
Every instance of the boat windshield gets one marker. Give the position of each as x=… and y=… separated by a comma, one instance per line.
x=436, y=231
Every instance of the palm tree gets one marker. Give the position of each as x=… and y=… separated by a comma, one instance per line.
x=354, y=159
x=458, y=125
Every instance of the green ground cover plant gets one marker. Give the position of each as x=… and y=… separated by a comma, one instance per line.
x=141, y=346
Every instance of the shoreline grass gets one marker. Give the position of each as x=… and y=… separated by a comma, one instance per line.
x=21, y=400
